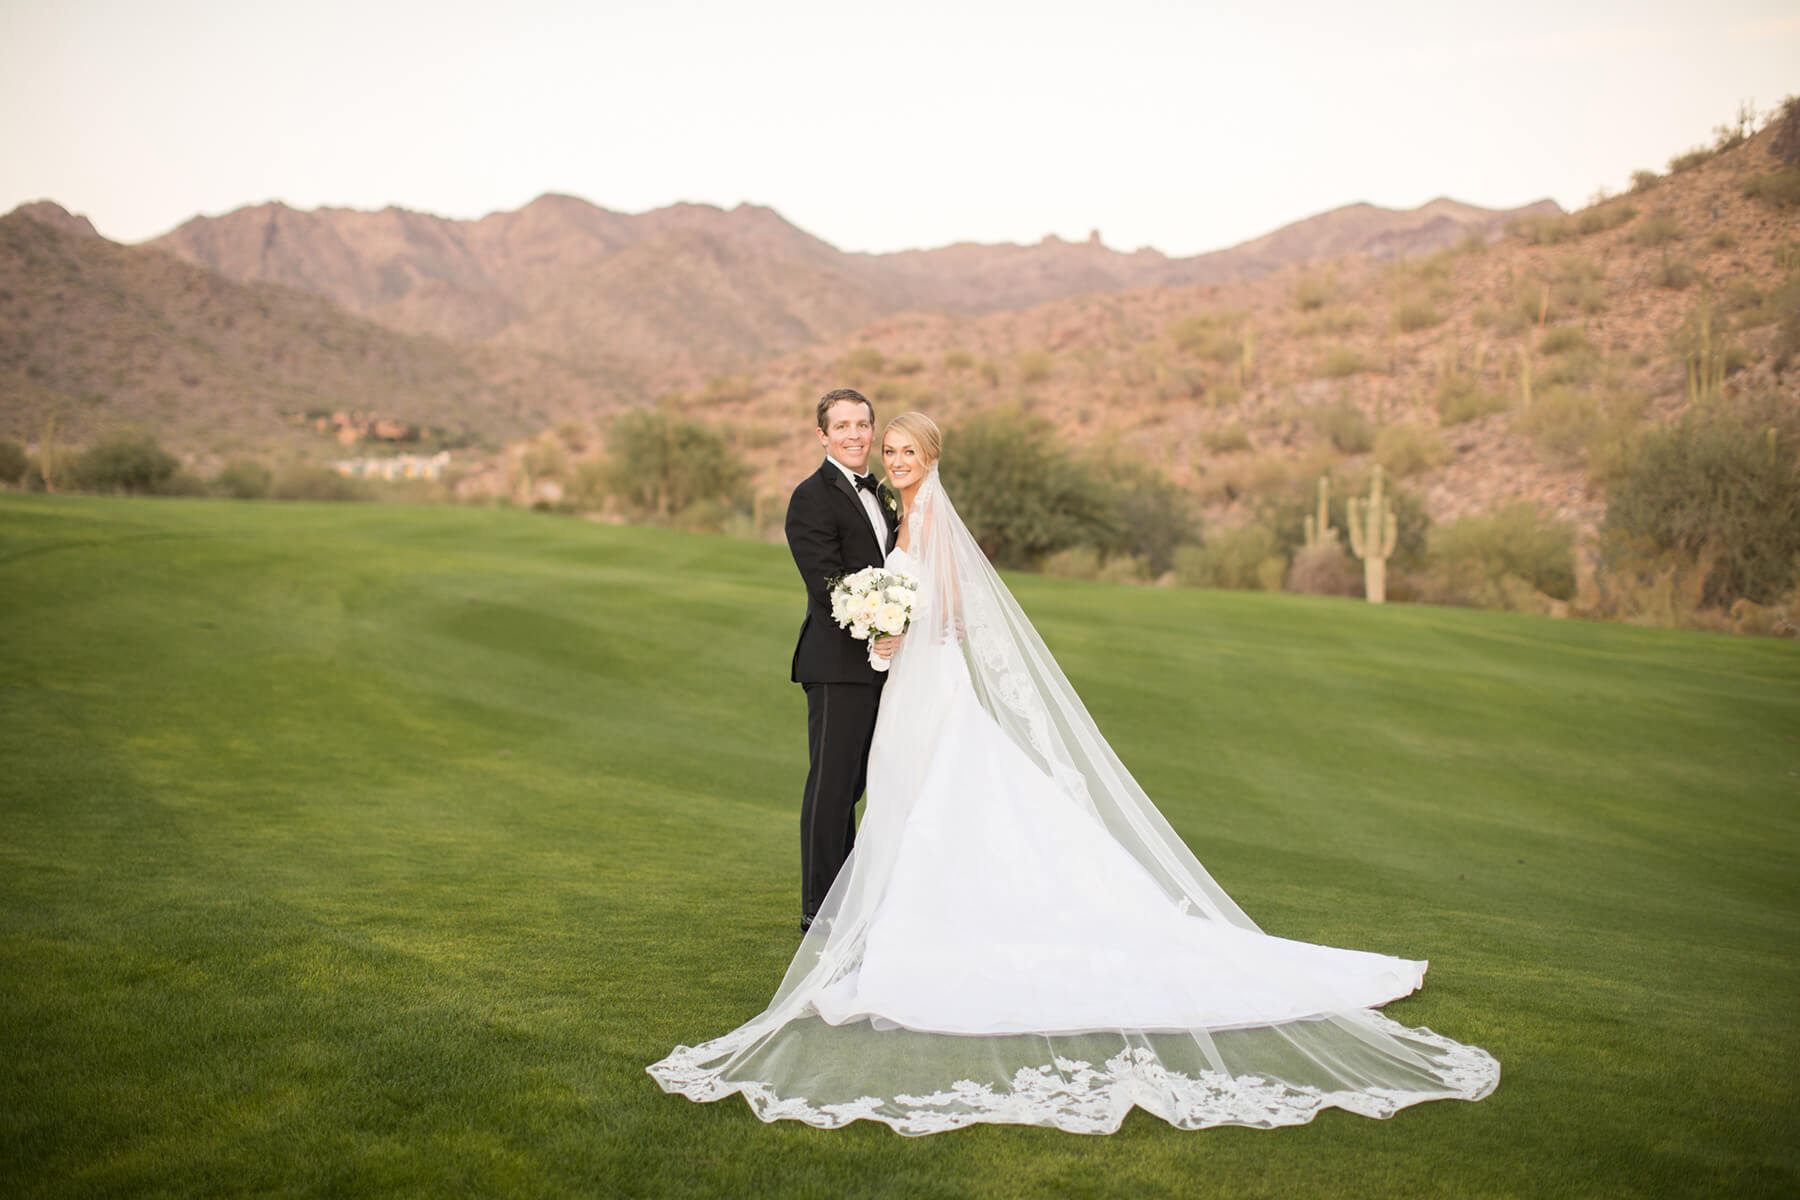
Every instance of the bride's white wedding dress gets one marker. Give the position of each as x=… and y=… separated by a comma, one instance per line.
x=1019, y=937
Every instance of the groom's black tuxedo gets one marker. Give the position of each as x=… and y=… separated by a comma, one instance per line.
x=829, y=535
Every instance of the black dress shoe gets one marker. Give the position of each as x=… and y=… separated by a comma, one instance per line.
x=805, y=923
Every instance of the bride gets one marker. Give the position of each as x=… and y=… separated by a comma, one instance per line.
x=1019, y=937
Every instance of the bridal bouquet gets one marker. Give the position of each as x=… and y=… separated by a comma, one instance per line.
x=874, y=602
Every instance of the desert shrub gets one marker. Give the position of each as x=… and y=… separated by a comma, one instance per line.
x=1336, y=320
x=1472, y=558
x=1076, y=562
x=182, y=483
x=1460, y=397
x=1687, y=161
x=1643, y=181
x=659, y=465
x=1228, y=439
x=1562, y=339
x=1248, y=558
x=958, y=360
x=1405, y=449
x=1023, y=495
x=1325, y=570
x=1182, y=383
x=1657, y=229
x=123, y=462
x=1721, y=490
x=1150, y=516
x=864, y=360
x=1674, y=273
x=13, y=462
x=1414, y=315
x=1123, y=568
x=1561, y=420
x=242, y=479
x=1340, y=361
x=1508, y=322
x=1579, y=288
x=305, y=481
x=1201, y=337
x=1778, y=189
x=906, y=364
x=1543, y=230
x=1035, y=366
x=1724, y=239
x=1345, y=427
x=1314, y=292
x=1785, y=145
x=1602, y=217
x=989, y=372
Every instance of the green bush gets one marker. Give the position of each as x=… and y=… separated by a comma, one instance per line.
x=1657, y=229
x=1543, y=230
x=1202, y=337
x=906, y=364
x=1723, y=490
x=1473, y=557
x=1077, y=562
x=1643, y=181
x=1344, y=425
x=864, y=360
x=1460, y=397
x=1244, y=559
x=1602, y=217
x=1674, y=273
x=990, y=372
x=958, y=360
x=1562, y=339
x=1698, y=156
x=242, y=479
x=658, y=465
x=1336, y=320
x=1023, y=495
x=124, y=462
x=1415, y=315
x=1228, y=439
x=1778, y=189
x=13, y=462
x=1405, y=449
x=1151, y=517
x=304, y=481
x=1561, y=420
x=1313, y=292
x=1341, y=361
x=1724, y=239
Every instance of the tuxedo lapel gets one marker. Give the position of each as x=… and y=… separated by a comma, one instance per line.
x=837, y=480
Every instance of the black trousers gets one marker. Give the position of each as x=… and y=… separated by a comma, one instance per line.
x=840, y=723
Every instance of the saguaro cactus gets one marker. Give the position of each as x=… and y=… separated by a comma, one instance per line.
x=1372, y=533
x=1318, y=529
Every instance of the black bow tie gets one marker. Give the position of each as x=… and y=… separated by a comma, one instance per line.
x=868, y=484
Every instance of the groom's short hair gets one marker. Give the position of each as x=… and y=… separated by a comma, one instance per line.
x=832, y=397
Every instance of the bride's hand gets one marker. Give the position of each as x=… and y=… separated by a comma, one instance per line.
x=885, y=647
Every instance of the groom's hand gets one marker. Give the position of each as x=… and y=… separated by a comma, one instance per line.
x=885, y=647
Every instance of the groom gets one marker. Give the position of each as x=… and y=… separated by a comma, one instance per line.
x=838, y=521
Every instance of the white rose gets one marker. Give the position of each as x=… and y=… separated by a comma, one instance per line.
x=900, y=595
x=860, y=632
x=890, y=619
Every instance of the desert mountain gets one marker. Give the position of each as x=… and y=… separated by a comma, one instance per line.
x=102, y=335
x=1481, y=373
x=699, y=289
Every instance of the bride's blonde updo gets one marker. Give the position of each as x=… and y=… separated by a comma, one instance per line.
x=926, y=437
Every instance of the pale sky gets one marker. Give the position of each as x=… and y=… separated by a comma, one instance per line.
x=876, y=127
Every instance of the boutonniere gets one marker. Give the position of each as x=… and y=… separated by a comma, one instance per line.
x=890, y=500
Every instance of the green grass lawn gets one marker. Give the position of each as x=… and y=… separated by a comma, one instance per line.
x=364, y=850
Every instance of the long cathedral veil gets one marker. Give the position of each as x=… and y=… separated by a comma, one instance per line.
x=804, y=1059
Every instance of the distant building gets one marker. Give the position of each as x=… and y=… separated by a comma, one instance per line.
x=399, y=466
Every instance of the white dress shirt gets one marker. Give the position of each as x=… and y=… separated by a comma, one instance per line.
x=877, y=522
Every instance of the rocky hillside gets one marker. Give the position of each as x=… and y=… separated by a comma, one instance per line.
x=690, y=290
x=1489, y=371
x=102, y=335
